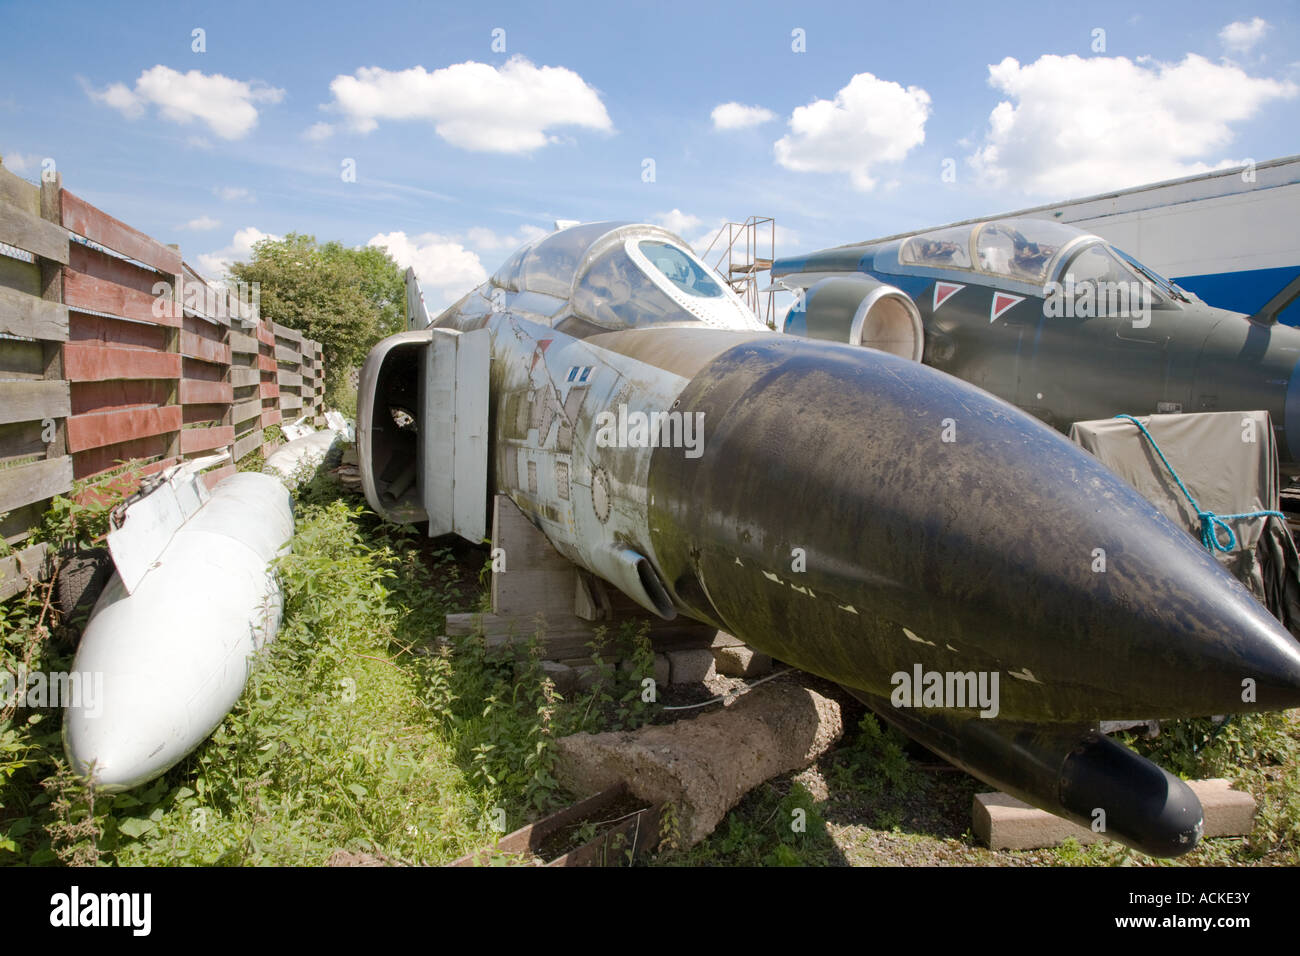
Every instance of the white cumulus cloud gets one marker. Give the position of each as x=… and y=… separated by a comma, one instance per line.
x=201, y=224
x=318, y=132
x=869, y=122
x=215, y=265
x=445, y=269
x=475, y=106
x=739, y=116
x=1072, y=125
x=1240, y=37
x=226, y=105
x=22, y=163
x=677, y=221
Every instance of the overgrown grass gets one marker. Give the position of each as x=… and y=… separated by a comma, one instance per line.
x=357, y=730
x=331, y=746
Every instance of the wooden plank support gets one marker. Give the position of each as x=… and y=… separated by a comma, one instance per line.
x=97, y=429
x=244, y=377
x=284, y=332
x=206, y=350
x=21, y=569
x=205, y=439
x=93, y=362
x=35, y=481
x=196, y=392
x=26, y=315
x=243, y=344
x=34, y=401
x=33, y=234
x=103, y=295
x=52, y=292
x=18, y=192
x=250, y=442
x=85, y=220
x=243, y=411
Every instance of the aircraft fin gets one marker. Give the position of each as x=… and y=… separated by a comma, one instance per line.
x=417, y=316
x=1268, y=313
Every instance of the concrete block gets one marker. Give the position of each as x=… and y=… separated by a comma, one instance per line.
x=723, y=639
x=1001, y=822
x=663, y=670
x=690, y=667
x=741, y=661
x=1228, y=812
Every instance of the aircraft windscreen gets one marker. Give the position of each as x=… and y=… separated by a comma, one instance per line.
x=1021, y=249
x=680, y=269
x=942, y=249
x=1169, y=288
x=616, y=294
x=1096, y=264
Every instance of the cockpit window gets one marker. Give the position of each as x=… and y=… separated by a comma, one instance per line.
x=680, y=269
x=1099, y=274
x=1096, y=264
x=943, y=249
x=1021, y=249
x=548, y=265
x=616, y=294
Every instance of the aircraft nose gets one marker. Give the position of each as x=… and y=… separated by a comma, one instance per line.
x=937, y=525
x=1192, y=640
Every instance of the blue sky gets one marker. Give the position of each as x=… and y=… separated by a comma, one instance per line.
x=455, y=164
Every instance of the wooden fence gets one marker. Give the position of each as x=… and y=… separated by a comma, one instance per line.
x=115, y=356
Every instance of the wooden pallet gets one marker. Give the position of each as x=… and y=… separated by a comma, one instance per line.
x=620, y=841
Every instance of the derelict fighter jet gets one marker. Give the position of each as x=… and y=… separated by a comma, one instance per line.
x=1056, y=321
x=664, y=440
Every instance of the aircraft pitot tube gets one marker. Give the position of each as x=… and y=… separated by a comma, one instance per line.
x=972, y=576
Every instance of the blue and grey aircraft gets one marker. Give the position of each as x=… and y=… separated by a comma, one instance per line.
x=1056, y=321
x=854, y=513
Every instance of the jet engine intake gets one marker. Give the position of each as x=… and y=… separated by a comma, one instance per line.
x=861, y=311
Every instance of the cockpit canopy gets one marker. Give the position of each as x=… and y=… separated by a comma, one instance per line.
x=1027, y=250
x=1020, y=249
x=619, y=276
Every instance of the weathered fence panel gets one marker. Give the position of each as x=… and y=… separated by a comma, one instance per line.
x=114, y=351
x=35, y=401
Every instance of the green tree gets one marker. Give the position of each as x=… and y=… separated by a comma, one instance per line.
x=346, y=299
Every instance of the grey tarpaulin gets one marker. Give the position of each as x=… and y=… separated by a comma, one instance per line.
x=1228, y=461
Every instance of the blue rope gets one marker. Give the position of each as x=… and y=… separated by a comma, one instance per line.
x=1210, y=522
